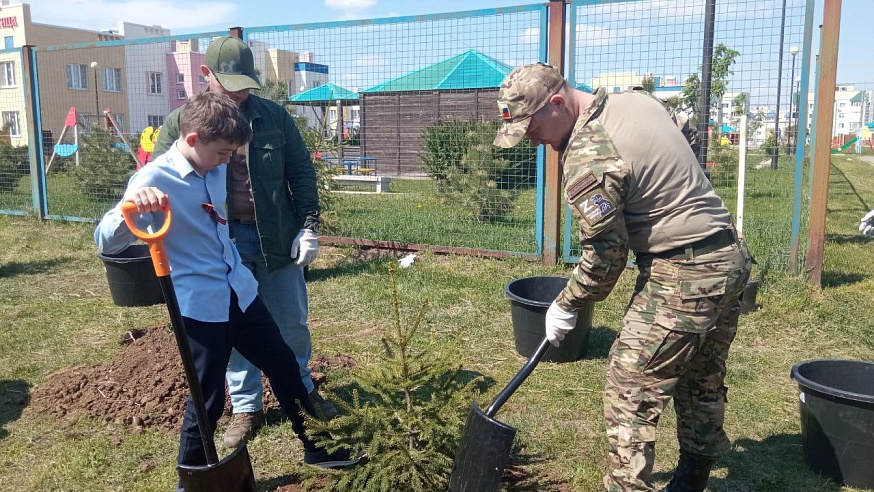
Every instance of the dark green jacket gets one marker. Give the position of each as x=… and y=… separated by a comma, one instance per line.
x=282, y=174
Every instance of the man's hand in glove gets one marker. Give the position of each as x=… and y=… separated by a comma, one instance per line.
x=558, y=323
x=305, y=247
x=867, y=225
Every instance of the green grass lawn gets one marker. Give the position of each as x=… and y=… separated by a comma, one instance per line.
x=56, y=313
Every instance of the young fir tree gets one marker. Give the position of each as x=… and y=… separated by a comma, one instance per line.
x=406, y=412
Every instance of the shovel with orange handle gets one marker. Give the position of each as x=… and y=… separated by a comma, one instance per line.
x=234, y=473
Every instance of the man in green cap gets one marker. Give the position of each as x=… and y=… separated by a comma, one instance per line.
x=633, y=183
x=273, y=205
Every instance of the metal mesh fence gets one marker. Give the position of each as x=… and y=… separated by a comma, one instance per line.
x=657, y=44
x=15, y=186
x=400, y=113
x=100, y=106
x=411, y=103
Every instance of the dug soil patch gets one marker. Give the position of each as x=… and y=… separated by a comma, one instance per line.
x=142, y=387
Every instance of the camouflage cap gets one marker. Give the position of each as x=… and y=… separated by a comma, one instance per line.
x=523, y=92
x=232, y=63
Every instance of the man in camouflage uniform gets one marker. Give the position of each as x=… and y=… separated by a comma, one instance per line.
x=634, y=183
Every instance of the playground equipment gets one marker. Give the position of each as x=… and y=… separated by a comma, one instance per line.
x=147, y=145
x=66, y=149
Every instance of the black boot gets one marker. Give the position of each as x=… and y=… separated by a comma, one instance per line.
x=691, y=474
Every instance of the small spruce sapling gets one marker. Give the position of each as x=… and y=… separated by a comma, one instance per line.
x=405, y=410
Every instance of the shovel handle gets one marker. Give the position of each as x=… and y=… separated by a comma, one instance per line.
x=155, y=240
x=517, y=380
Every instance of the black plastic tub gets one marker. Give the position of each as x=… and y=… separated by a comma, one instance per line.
x=837, y=418
x=131, y=277
x=530, y=297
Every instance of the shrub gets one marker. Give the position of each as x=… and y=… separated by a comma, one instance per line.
x=327, y=201
x=406, y=410
x=472, y=172
x=13, y=165
x=103, y=171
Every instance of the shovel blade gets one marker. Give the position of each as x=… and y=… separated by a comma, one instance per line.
x=232, y=474
x=483, y=452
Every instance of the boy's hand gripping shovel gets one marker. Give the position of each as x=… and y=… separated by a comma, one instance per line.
x=486, y=443
x=234, y=473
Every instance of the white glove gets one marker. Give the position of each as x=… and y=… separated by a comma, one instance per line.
x=558, y=323
x=305, y=247
x=867, y=225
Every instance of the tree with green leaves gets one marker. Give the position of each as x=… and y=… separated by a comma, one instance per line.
x=723, y=59
x=648, y=83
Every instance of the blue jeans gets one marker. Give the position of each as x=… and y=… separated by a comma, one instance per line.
x=284, y=292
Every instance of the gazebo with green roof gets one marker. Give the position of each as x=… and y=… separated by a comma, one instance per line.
x=396, y=113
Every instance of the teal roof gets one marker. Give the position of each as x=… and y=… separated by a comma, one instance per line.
x=469, y=70
x=323, y=94
x=585, y=88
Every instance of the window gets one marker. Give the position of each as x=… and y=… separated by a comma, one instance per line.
x=180, y=94
x=156, y=82
x=8, y=42
x=10, y=120
x=155, y=120
x=332, y=114
x=119, y=121
x=112, y=79
x=77, y=77
x=201, y=79
x=7, y=77
x=180, y=78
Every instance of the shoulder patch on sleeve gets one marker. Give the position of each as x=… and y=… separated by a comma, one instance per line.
x=594, y=207
x=581, y=185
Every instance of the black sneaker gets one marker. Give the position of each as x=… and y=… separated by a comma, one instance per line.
x=340, y=458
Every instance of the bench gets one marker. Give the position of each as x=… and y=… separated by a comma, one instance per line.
x=381, y=183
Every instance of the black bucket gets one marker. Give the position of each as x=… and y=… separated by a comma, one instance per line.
x=837, y=418
x=131, y=277
x=748, y=297
x=530, y=297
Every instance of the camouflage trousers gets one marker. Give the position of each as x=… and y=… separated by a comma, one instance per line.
x=673, y=343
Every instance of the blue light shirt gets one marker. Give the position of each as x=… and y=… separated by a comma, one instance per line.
x=204, y=263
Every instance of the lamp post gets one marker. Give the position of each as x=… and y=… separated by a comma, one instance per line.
x=96, y=67
x=792, y=51
x=797, y=110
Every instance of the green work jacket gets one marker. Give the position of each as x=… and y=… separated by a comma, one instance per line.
x=281, y=172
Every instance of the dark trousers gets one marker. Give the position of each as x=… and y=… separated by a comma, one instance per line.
x=255, y=335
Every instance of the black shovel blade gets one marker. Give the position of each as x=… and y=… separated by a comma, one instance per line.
x=482, y=454
x=232, y=474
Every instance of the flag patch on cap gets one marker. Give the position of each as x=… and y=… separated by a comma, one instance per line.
x=505, y=110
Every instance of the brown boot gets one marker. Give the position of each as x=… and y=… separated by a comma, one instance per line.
x=325, y=410
x=691, y=474
x=243, y=427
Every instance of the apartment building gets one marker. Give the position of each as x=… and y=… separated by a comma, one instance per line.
x=140, y=76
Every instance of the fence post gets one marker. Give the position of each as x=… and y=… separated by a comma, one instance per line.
x=34, y=131
x=704, y=89
x=552, y=187
x=825, y=103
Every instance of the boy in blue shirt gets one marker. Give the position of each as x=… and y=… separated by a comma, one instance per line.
x=218, y=296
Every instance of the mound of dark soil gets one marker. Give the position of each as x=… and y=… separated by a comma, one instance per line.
x=142, y=387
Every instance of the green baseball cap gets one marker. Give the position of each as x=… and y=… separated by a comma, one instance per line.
x=523, y=92
x=231, y=61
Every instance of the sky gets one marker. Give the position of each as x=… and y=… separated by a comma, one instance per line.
x=855, y=63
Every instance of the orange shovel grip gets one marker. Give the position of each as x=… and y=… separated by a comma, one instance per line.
x=155, y=240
